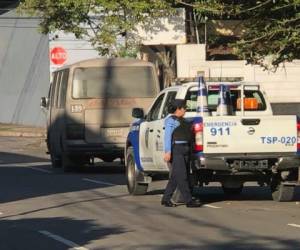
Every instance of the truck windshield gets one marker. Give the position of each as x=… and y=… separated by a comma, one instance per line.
x=254, y=97
x=114, y=82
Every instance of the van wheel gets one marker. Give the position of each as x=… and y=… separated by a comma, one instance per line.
x=132, y=173
x=55, y=157
x=67, y=163
x=55, y=161
x=280, y=191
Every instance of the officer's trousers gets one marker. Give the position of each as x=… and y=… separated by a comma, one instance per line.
x=178, y=177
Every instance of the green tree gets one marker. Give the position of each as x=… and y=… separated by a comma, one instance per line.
x=108, y=24
x=271, y=32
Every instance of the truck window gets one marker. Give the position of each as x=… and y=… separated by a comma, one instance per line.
x=154, y=111
x=170, y=97
x=114, y=82
x=213, y=95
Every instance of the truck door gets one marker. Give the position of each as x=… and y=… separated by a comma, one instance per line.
x=147, y=134
x=159, y=132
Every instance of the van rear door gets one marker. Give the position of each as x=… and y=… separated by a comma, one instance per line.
x=108, y=95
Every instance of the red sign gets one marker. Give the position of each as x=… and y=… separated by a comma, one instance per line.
x=58, y=55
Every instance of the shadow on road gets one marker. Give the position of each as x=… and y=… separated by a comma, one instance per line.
x=238, y=243
x=20, y=179
x=29, y=232
x=216, y=194
x=10, y=158
x=249, y=193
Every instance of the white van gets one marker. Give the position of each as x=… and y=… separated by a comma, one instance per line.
x=89, y=108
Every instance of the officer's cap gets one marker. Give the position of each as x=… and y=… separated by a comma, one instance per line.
x=176, y=104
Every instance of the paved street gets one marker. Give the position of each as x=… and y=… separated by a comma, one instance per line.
x=43, y=208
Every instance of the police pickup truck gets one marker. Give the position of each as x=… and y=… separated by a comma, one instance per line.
x=238, y=142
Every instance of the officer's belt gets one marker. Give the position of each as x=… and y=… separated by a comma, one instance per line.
x=181, y=142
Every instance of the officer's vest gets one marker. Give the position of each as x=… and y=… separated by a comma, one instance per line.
x=183, y=132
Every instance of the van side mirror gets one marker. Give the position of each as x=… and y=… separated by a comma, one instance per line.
x=138, y=113
x=44, y=102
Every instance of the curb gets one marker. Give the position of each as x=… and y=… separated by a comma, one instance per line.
x=21, y=134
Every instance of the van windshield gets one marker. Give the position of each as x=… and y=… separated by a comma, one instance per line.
x=114, y=82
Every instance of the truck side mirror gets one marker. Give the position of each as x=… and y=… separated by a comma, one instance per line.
x=138, y=113
x=44, y=102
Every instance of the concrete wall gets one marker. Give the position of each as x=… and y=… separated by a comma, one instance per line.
x=282, y=86
x=24, y=70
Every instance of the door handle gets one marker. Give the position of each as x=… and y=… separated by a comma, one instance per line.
x=250, y=121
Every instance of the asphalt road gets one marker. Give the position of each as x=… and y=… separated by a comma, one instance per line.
x=43, y=208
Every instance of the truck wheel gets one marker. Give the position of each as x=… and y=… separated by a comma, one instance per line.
x=132, y=173
x=282, y=192
x=108, y=159
x=232, y=191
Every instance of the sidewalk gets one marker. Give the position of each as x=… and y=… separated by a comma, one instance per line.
x=21, y=131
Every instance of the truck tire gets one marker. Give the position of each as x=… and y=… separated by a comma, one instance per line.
x=134, y=188
x=108, y=159
x=232, y=191
x=282, y=192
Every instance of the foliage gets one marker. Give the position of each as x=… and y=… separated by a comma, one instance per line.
x=107, y=23
x=271, y=28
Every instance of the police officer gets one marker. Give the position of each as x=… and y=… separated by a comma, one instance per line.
x=177, y=142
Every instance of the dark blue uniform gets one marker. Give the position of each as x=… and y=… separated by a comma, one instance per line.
x=178, y=139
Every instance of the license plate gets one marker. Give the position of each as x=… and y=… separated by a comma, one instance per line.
x=112, y=132
x=251, y=164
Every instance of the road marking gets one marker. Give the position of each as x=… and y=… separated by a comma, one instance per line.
x=62, y=240
x=294, y=225
x=210, y=206
x=99, y=182
x=29, y=165
x=24, y=164
x=41, y=170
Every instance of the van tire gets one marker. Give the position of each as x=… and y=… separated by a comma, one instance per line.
x=134, y=188
x=281, y=192
x=67, y=163
x=55, y=161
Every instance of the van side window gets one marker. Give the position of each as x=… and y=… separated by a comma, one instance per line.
x=63, y=89
x=57, y=87
x=153, y=113
x=53, y=86
x=170, y=97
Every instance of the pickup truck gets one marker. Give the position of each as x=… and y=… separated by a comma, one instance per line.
x=247, y=144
